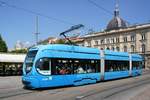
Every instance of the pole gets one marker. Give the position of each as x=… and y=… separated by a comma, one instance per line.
x=37, y=30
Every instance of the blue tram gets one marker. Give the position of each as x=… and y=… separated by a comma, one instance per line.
x=61, y=65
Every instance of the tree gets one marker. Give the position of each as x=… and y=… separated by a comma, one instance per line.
x=19, y=51
x=3, y=46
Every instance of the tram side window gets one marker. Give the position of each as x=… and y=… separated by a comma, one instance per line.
x=97, y=62
x=112, y=65
x=93, y=66
x=43, y=66
x=86, y=66
x=74, y=66
x=79, y=66
x=136, y=64
x=61, y=66
x=90, y=65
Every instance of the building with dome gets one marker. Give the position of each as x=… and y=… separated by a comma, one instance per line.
x=118, y=36
x=117, y=22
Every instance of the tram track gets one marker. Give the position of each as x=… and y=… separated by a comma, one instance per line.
x=111, y=91
x=13, y=93
x=145, y=79
x=127, y=88
x=24, y=91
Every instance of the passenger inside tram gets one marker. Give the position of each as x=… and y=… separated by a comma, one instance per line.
x=80, y=70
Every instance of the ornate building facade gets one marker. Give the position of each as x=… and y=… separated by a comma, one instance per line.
x=135, y=39
x=118, y=36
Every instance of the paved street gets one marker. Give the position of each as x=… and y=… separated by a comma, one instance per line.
x=135, y=88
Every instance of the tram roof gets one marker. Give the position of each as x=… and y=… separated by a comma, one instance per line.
x=137, y=56
x=79, y=49
x=62, y=47
x=70, y=48
x=12, y=58
x=116, y=53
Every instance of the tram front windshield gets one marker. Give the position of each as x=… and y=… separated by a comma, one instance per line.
x=29, y=60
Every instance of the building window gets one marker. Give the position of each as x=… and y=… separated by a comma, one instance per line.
x=96, y=42
x=143, y=36
x=117, y=40
x=132, y=37
x=112, y=40
x=108, y=41
x=89, y=44
x=125, y=48
x=117, y=48
x=132, y=48
x=125, y=39
x=102, y=41
x=143, y=48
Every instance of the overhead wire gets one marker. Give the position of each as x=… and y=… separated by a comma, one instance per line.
x=36, y=13
x=49, y=17
x=100, y=7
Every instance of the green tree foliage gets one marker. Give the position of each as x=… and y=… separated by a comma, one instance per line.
x=3, y=46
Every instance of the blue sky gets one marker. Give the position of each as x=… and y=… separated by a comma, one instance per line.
x=16, y=24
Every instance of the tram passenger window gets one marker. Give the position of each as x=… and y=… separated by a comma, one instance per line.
x=90, y=69
x=74, y=66
x=97, y=62
x=79, y=66
x=136, y=65
x=86, y=66
x=61, y=66
x=112, y=65
x=43, y=66
x=93, y=66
